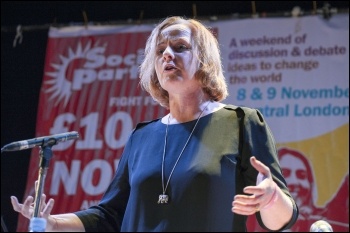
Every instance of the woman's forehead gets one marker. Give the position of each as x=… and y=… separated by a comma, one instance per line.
x=175, y=31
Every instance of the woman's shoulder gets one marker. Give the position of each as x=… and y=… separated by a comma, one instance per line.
x=146, y=124
x=249, y=113
x=245, y=109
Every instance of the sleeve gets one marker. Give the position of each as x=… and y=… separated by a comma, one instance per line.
x=108, y=214
x=258, y=141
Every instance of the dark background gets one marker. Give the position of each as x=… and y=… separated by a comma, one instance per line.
x=22, y=64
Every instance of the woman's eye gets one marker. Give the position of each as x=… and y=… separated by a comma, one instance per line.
x=177, y=48
x=181, y=47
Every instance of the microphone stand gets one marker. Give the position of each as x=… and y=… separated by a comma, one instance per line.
x=45, y=157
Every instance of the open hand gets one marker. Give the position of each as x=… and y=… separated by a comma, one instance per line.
x=257, y=196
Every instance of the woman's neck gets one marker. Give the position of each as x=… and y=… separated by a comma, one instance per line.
x=186, y=113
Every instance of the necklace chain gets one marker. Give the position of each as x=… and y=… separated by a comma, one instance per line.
x=163, y=198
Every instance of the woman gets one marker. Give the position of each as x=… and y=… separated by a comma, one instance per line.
x=205, y=166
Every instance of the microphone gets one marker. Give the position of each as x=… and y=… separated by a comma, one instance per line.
x=41, y=141
x=321, y=226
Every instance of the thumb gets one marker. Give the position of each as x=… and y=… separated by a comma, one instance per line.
x=259, y=166
x=264, y=171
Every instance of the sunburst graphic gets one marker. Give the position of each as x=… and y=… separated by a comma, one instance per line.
x=60, y=85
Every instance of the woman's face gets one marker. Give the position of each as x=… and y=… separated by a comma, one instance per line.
x=175, y=63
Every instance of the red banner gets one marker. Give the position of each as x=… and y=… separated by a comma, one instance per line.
x=91, y=86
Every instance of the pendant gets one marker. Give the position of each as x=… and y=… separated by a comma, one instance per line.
x=163, y=199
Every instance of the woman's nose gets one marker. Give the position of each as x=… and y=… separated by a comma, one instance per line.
x=168, y=54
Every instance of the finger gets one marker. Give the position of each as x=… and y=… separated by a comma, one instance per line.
x=244, y=208
x=42, y=202
x=15, y=204
x=27, y=208
x=243, y=212
x=247, y=200
x=48, y=208
x=254, y=190
x=28, y=202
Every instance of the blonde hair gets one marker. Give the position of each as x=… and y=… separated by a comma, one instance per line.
x=206, y=48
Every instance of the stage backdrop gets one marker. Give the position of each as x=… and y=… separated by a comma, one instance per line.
x=294, y=70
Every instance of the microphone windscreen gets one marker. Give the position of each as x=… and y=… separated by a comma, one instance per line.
x=321, y=226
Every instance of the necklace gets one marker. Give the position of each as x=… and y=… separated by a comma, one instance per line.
x=164, y=198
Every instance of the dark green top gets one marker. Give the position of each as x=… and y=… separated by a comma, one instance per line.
x=213, y=168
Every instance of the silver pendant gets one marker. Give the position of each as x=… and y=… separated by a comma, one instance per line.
x=163, y=199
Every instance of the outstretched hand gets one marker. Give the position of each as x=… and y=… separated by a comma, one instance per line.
x=257, y=196
x=27, y=208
